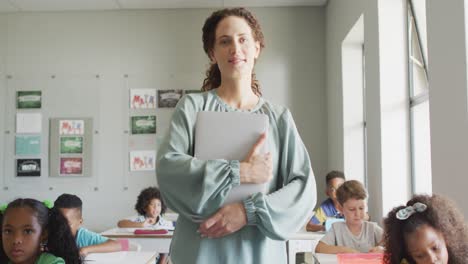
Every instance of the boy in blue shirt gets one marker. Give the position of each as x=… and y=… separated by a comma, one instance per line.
x=89, y=242
x=328, y=208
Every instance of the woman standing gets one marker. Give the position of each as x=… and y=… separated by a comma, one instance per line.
x=252, y=231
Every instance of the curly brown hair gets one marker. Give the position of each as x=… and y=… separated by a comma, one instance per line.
x=441, y=214
x=145, y=197
x=213, y=75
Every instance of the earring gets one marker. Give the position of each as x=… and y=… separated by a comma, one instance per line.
x=43, y=246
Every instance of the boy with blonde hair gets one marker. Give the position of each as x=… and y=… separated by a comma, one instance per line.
x=355, y=234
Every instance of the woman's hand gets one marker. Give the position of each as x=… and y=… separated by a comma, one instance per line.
x=227, y=220
x=256, y=167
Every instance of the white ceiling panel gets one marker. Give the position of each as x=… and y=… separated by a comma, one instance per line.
x=151, y=4
x=272, y=3
x=64, y=5
x=75, y=5
x=6, y=6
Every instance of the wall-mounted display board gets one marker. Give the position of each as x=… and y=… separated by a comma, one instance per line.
x=71, y=141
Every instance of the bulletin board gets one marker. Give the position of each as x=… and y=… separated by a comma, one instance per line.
x=71, y=141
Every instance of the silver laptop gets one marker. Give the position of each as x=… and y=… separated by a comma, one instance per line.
x=230, y=136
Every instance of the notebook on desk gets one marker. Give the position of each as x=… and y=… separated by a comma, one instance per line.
x=230, y=136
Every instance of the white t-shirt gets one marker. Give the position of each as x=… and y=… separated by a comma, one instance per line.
x=339, y=235
x=161, y=224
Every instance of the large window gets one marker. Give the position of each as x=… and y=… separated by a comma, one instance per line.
x=354, y=119
x=419, y=97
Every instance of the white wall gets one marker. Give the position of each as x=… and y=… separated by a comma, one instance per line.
x=448, y=99
x=160, y=49
x=2, y=91
x=388, y=169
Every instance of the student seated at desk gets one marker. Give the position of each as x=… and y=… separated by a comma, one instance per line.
x=428, y=229
x=328, y=208
x=89, y=242
x=150, y=208
x=355, y=234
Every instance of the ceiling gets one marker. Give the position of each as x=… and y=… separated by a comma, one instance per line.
x=7, y=6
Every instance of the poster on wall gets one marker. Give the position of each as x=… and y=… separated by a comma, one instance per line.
x=169, y=98
x=71, y=127
x=28, y=123
x=71, y=145
x=28, y=99
x=27, y=145
x=142, y=160
x=71, y=166
x=142, y=98
x=192, y=91
x=28, y=167
x=143, y=124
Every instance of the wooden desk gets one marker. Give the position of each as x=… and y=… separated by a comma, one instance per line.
x=122, y=257
x=151, y=242
x=302, y=241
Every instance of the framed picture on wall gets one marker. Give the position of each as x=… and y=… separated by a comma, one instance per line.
x=28, y=99
x=192, y=91
x=143, y=98
x=28, y=167
x=169, y=98
x=71, y=127
x=143, y=160
x=143, y=124
x=26, y=145
x=71, y=145
x=71, y=166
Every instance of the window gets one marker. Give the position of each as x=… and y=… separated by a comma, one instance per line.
x=354, y=119
x=419, y=98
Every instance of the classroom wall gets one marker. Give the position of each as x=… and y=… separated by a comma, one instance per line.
x=386, y=97
x=2, y=86
x=79, y=60
x=448, y=99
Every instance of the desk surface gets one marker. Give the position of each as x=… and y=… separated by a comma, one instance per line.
x=128, y=233
x=326, y=258
x=121, y=257
x=305, y=235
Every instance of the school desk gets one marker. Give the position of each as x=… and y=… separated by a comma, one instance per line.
x=122, y=257
x=159, y=243
x=302, y=241
x=325, y=258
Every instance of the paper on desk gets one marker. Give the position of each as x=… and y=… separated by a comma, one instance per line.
x=111, y=257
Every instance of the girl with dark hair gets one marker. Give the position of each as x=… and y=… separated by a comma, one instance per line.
x=150, y=208
x=32, y=233
x=429, y=229
x=255, y=229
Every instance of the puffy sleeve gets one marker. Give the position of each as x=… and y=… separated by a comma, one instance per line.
x=283, y=212
x=189, y=186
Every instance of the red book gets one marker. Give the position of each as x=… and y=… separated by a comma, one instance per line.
x=150, y=231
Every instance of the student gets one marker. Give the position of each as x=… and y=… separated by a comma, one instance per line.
x=31, y=233
x=253, y=230
x=355, y=234
x=71, y=207
x=328, y=208
x=150, y=208
x=429, y=229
